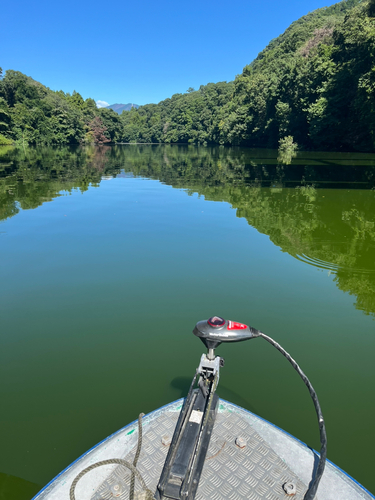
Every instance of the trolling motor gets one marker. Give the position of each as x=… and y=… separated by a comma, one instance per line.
x=183, y=466
x=184, y=463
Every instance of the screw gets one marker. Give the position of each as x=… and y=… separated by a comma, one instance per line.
x=241, y=442
x=290, y=488
x=116, y=490
x=166, y=440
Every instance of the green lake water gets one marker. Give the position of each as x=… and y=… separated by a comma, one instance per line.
x=108, y=258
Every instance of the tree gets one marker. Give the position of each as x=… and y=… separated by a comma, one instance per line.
x=76, y=99
x=4, y=115
x=112, y=122
x=98, y=130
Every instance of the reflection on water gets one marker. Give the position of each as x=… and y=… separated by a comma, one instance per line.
x=320, y=209
x=330, y=229
x=32, y=177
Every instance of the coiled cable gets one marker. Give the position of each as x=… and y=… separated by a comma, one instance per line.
x=135, y=473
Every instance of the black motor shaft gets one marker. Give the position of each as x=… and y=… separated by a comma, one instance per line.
x=184, y=463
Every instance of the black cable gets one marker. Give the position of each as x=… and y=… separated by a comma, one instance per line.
x=311, y=491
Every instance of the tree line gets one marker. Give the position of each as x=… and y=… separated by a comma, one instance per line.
x=315, y=83
x=31, y=113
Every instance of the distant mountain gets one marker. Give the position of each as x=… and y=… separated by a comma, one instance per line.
x=119, y=108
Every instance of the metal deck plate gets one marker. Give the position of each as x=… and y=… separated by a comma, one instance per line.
x=254, y=472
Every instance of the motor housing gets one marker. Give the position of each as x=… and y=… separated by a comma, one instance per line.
x=217, y=330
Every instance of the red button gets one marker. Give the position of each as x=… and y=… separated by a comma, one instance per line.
x=233, y=325
x=216, y=321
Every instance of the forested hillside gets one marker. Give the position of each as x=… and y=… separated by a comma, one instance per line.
x=32, y=113
x=315, y=82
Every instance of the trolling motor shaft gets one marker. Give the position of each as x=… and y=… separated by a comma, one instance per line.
x=184, y=463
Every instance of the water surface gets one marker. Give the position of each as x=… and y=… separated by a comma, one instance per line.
x=108, y=258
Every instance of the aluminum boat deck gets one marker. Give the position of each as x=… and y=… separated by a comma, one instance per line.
x=270, y=459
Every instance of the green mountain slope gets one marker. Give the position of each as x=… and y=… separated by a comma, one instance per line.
x=315, y=82
x=312, y=82
x=32, y=113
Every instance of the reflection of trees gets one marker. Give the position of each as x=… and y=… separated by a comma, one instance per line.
x=171, y=163
x=362, y=286
x=31, y=177
x=356, y=281
x=333, y=229
x=317, y=229
x=321, y=229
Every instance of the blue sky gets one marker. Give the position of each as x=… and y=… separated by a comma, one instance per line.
x=139, y=52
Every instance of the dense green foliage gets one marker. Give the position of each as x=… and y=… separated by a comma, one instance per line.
x=32, y=113
x=194, y=117
x=314, y=83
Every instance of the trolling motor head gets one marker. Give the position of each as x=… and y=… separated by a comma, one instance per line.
x=216, y=330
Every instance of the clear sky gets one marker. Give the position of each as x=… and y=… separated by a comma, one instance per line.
x=139, y=52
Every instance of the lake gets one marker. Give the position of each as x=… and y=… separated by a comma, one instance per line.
x=108, y=258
